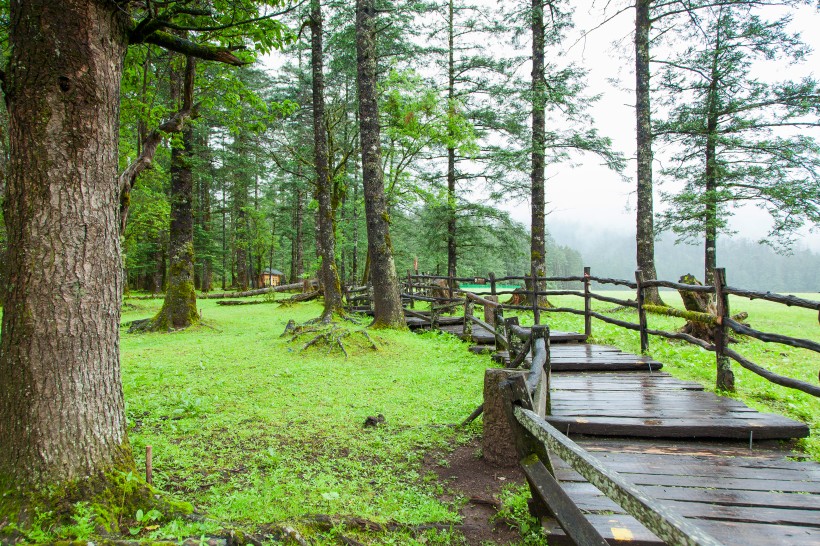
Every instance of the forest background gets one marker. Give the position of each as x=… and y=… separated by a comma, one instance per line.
x=254, y=204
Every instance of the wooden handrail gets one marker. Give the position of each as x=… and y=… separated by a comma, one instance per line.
x=721, y=323
x=791, y=301
x=777, y=379
x=679, y=286
x=772, y=338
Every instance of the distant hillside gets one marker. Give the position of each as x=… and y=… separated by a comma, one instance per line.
x=748, y=264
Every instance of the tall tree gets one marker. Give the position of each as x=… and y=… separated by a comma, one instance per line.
x=179, y=307
x=327, y=238
x=61, y=404
x=452, y=254
x=731, y=128
x=387, y=301
x=645, y=217
x=538, y=258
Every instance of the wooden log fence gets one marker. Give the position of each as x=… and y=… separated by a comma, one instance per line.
x=418, y=288
x=527, y=401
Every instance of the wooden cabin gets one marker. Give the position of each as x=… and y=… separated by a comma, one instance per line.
x=271, y=277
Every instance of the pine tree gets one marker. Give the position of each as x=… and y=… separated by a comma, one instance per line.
x=731, y=130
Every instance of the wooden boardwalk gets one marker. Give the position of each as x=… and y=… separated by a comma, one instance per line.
x=712, y=459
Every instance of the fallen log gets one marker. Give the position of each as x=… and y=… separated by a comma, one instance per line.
x=258, y=291
x=298, y=298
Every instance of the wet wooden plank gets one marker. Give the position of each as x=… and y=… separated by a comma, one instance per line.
x=751, y=479
x=625, y=530
x=716, y=482
x=763, y=454
x=758, y=534
x=616, y=529
x=588, y=495
x=725, y=427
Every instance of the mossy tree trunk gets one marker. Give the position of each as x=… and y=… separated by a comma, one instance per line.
x=645, y=224
x=61, y=402
x=179, y=308
x=326, y=241
x=387, y=311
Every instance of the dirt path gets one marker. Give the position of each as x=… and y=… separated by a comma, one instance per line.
x=470, y=476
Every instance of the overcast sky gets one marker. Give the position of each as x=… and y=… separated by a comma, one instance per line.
x=591, y=194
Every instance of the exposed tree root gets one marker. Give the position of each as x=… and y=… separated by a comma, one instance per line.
x=325, y=333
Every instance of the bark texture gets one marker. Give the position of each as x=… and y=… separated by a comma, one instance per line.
x=61, y=402
x=327, y=237
x=645, y=233
x=387, y=310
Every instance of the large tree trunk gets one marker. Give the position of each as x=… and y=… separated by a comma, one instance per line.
x=538, y=259
x=387, y=310
x=326, y=242
x=645, y=234
x=179, y=308
x=61, y=401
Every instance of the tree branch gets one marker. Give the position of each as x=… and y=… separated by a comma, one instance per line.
x=189, y=48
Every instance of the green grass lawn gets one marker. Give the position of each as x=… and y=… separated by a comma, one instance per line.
x=254, y=431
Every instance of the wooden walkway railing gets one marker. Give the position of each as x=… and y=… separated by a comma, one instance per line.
x=443, y=294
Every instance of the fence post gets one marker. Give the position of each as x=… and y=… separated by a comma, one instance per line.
x=467, y=331
x=371, y=297
x=587, y=305
x=410, y=289
x=451, y=282
x=641, y=312
x=491, y=276
x=514, y=345
x=725, y=376
x=435, y=314
x=536, y=312
x=541, y=398
x=500, y=329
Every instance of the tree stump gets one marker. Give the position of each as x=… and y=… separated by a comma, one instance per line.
x=497, y=444
x=700, y=302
